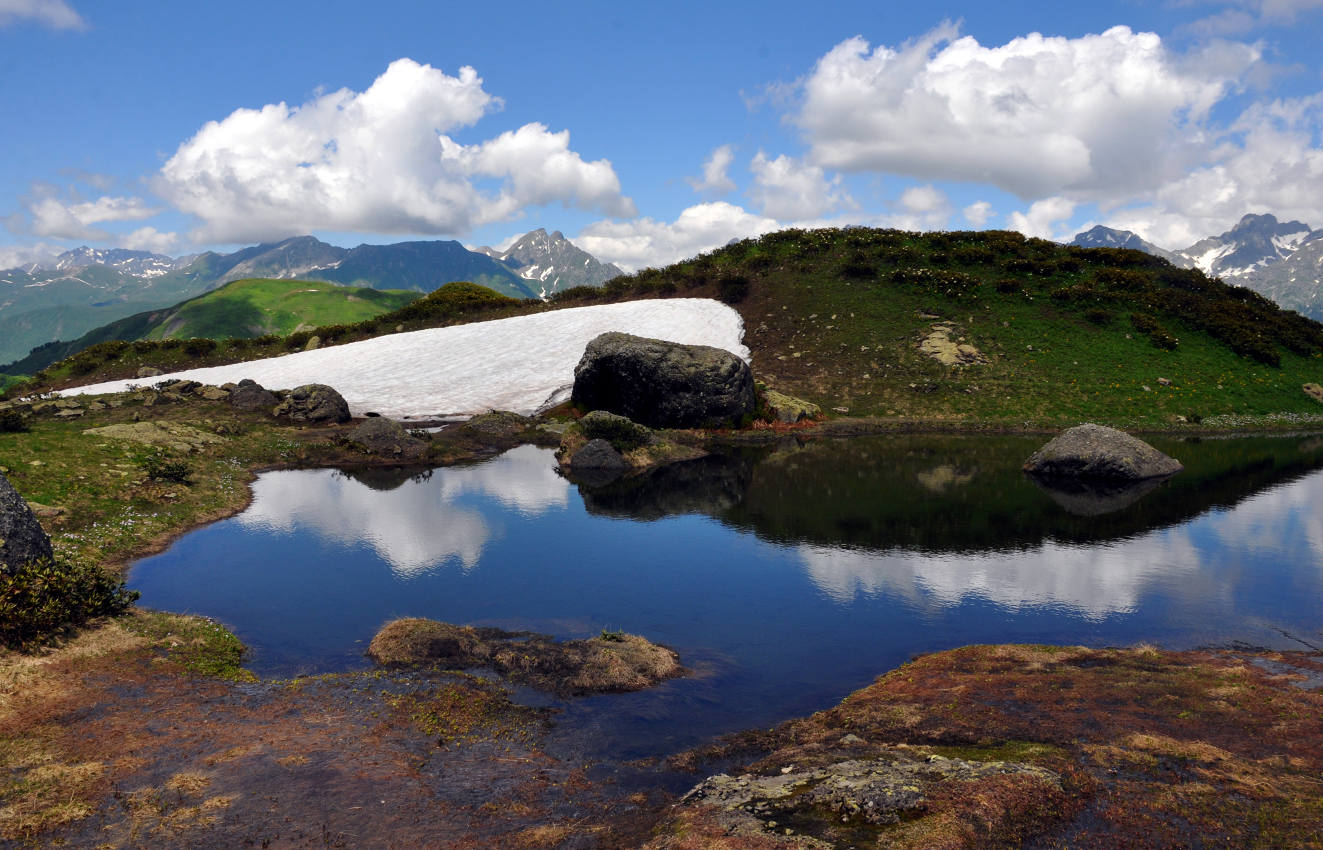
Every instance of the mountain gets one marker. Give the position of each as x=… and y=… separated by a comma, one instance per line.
x=1107, y=237
x=423, y=266
x=552, y=263
x=1295, y=282
x=137, y=263
x=1255, y=242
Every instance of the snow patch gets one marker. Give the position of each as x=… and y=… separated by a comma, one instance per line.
x=521, y=363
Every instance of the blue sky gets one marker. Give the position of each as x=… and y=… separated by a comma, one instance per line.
x=648, y=134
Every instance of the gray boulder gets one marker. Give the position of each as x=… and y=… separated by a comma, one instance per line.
x=1099, y=452
x=250, y=395
x=386, y=437
x=622, y=433
x=663, y=384
x=597, y=455
x=22, y=538
x=314, y=403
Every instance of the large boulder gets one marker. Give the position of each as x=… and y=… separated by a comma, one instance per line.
x=314, y=403
x=250, y=395
x=664, y=384
x=1099, y=452
x=386, y=437
x=22, y=538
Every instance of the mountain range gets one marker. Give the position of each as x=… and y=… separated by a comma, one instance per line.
x=1280, y=260
x=86, y=288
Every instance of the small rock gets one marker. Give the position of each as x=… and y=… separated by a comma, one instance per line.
x=1314, y=391
x=387, y=437
x=250, y=395
x=598, y=454
x=314, y=343
x=1166, y=382
x=149, y=372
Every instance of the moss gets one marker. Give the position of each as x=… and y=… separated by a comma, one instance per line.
x=199, y=645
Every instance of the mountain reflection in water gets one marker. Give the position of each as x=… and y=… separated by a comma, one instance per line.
x=786, y=577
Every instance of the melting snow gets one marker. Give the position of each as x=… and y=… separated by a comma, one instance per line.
x=521, y=363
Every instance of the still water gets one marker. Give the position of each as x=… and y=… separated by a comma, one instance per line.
x=785, y=578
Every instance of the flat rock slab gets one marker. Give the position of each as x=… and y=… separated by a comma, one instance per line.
x=170, y=435
x=1099, y=452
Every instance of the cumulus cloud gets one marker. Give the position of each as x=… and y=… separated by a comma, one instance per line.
x=978, y=213
x=645, y=242
x=789, y=188
x=1042, y=217
x=377, y=161
x=151, y=239
x=51, y=216
x=55, y=14
x=1242, y=16
x=1090, y=116
x=15, y=256
x=715, y=181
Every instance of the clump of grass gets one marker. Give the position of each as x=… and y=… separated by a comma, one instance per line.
x=200, y=645
x=163, y=466
x=42, y=598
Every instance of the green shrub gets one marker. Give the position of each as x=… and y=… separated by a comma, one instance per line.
x=1097, y=315
x=42, y=597
x=12, y=422
x=199, y=346
x=732, y=289
x=162, y=466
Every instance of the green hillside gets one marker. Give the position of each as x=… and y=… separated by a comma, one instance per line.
x=1053, y=334
x=243, y=309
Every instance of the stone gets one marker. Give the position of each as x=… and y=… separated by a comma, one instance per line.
x=597, y=454
x=314, y=403
x=149, y=372
x=663, y=384
x=789, y=409
x=171, y=435
x=250, y=395
x=386, y=437
x=22, y=538
x=314, y=343
x=1314, y=391
x=1099, y=452
x=622, y=433
x=212, y=393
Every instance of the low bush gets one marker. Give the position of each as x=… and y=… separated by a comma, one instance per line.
x=43, y=597
x=732, y=289
x=162, y=466
x=12, y=422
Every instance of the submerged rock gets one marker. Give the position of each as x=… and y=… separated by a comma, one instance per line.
x=22, y=539
x=663, y=384
x=386, y=437
x=1096, y=451
x=314, y=403
x=610, y=663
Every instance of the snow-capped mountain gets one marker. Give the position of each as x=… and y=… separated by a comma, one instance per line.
x=551, y=263
x=1295, y=282
x=1257, y=241
x=1107, y=237
x=137, y=263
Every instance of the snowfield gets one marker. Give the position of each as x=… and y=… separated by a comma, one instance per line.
x=522, y=364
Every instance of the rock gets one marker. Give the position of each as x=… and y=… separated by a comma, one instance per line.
x=789, y=409
x=663, y=384
x=597, y=454
x=47, y=511
x=250, y=395
x=498, y=423
x=1096, y=451
x=622, y=433
x=70, y=413
x=22, y=538
x=386, y=437
x=314, y=343
x=314, y=403
x=1314, y=391
x=149, y=372
x=212, y=393
x=171, y=435
x=939, y=346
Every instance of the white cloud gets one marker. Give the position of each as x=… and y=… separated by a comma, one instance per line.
x=788, y=188
x=978, y=213
x=55, y=14
x=13, y=256
x=151, y=239
x=715, y=181
x=1094, y=116
x=1039, y=221
x=53, y=217
x=1242, y=16
x=377, y=161
x=646, y=242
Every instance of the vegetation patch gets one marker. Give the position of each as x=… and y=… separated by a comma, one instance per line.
x=199, y=645
x=611, y=662
x=43, y=598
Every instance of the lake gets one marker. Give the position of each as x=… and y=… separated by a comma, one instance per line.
x=785, y=577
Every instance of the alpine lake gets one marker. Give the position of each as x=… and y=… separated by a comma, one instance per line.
x=785, y=576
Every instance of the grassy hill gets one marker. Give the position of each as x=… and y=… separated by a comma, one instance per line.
x=1053, y=334
x=244, y=309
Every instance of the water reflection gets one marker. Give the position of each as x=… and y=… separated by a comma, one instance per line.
x=414, y=529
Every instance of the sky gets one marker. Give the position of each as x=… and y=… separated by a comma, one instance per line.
x=648, y=133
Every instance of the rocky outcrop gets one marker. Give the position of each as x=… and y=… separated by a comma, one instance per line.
x=597, y=455
x=314, y=403
x=1099, y=452
x=171, y=435
x=250, y=395
x=22, y=538
x=788, y=409
x=663, y=384
x=386, y=437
